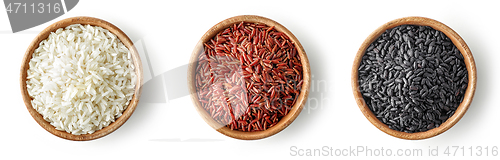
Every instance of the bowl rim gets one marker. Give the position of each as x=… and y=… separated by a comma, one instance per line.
x=285, y=121
x=135, y=60
x=457, y=41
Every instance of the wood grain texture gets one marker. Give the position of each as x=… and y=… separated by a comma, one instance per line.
x=469, y=63
x=135, y=60
x=285, y=121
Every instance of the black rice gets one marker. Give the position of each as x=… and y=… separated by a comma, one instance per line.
x=413, y=78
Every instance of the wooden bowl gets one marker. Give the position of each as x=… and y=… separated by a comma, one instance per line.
x=136, y=62
x=457, y=41
x=285, y=121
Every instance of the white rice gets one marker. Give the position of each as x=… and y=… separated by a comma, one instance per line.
x=81, y=78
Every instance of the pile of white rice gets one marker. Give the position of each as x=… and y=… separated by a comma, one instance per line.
x=81, y=78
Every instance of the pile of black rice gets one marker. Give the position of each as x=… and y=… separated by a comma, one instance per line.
x=413, y=78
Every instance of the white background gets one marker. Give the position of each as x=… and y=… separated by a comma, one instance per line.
x=331, y=33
